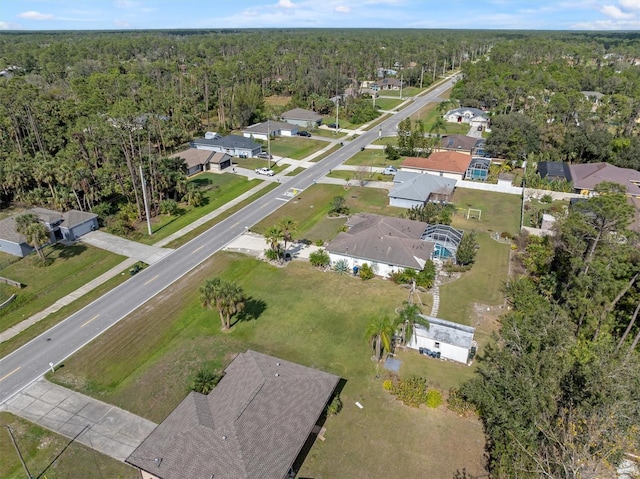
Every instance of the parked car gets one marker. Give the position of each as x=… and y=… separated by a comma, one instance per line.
x=333, y=125
x=265, y=155
x=390, y=170
x=304, y=133
x=264, y=171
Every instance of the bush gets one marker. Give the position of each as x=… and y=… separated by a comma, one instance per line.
x=319, y=258
x=341, y=267
x=339, y=206
x=546, y=199
x=169, y=207
x=365, y=272
x=466, y=254
x=434, y=398
x=427, y=276
x=458, y=404
x=334, y=406
x=387, y=385
x=506, y=235
x=204, y=381
x=403, y=277
x=411, y=391
x=454, y=268
x=319, y=243
x=272, y=254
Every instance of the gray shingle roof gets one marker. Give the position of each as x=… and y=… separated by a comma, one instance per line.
x=587, y=176
x=193, y=157
x=384, y=239
x=252, y=425
x=447, y=332
x=8, y=231
x=75, y=217
x=554, y=169
x=229, y=141
x=264, y=128
x=301, y=114
x=418, y=187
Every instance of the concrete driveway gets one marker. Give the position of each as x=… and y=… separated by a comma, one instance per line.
x=131, y=249
x=100, y=426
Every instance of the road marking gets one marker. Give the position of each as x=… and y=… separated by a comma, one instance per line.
x=264, y=206
x=198, y=248
x=89, y=320
x=235, y=224
x=152, y=279
x=7, y=375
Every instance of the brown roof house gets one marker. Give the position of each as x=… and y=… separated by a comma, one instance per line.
x=450, y=164
x=254, y=424
x=586, y=176
x=458, y=143
x=197, y=161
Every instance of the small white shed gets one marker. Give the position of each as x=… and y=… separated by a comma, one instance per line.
x=452, y=340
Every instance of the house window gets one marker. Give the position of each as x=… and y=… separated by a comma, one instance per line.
x=436, y=345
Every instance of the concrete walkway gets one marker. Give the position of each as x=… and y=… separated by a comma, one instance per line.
x=124, y=247
x=100, y=426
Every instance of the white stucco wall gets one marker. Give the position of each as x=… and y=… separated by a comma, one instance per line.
x=380, y=269
x=453, y=176
x=403, y=203
x=447, y=351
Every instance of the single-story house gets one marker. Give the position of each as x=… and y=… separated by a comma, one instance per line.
x=388, y=84
x=252, y=425
x=452, y=340
x=415, y=189
x=301, y=117
x=386, y=244
x=458, y=143
x=234, y=145
x=586, y=176
x=261, y=131
x=67, y=226
x=197, y=161
x=473, y=116
x=450, y=164
x=554, y=170
x=478, y=169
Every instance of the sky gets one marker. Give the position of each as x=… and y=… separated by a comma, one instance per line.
x=220, y=14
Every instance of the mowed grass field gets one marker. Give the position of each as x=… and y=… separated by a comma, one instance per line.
x=40, y=449
x=296, y=147
x=369, y=157
x=500, y=211
x=71, y=267
x=299, y=314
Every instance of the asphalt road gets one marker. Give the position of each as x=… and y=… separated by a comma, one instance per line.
x=32, y=360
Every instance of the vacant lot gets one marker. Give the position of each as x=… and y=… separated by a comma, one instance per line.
x=387, y=103
x=217, y=189
x=71, y=267
x=296, y=147
x=300, y=314
x=369, y=158
x=46, y=455
x=500, y=211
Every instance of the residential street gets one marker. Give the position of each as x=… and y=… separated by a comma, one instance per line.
x=28, y=363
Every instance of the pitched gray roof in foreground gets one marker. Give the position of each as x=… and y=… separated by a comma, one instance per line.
x=252, y=425
x=447, y=332
x=383, y=239
x=301, y=114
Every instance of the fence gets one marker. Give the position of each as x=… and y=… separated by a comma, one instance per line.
x=11, y=282
x=555, y=195
x=477, y=185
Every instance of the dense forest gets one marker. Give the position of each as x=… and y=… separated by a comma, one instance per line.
x=558, y=390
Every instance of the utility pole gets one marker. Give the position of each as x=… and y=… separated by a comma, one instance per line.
x=268, y=144
x=146, y=202
x=337, y=108
x=401, y=78
x=421, y=75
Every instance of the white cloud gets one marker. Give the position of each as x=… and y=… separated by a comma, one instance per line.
x=630, y=4
x=121, y=24
x=615, y=12
x=9, y=26
x=607, y=25
x=33, y=15
x=286, y=4
x=342, y=9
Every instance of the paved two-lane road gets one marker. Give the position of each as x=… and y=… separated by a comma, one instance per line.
x=32, y=360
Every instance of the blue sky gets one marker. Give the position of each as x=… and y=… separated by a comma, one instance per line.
x=151, y=14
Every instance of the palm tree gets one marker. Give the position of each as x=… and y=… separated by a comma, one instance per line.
x=438, y=126
x=288, y=227
x=226, y=297
x=379, y=334
x=36, y=233
x=408, y=317
x=273, y=236
x=204, y=381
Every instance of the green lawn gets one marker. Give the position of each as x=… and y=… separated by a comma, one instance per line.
x=406, y=92
x=479, y=285
x=253, y=163
x=500, y=211
x=369, y=158
x=387, y=103
x=322, y=156
x=72, y=267
x=377, y=121
x=303, y=315
x=534, y=209
x=310, y=209
x=428, y=115
x=46, y=455
x=386, y=140
x=296, y=147
x=218, y=190
x=328, y=133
